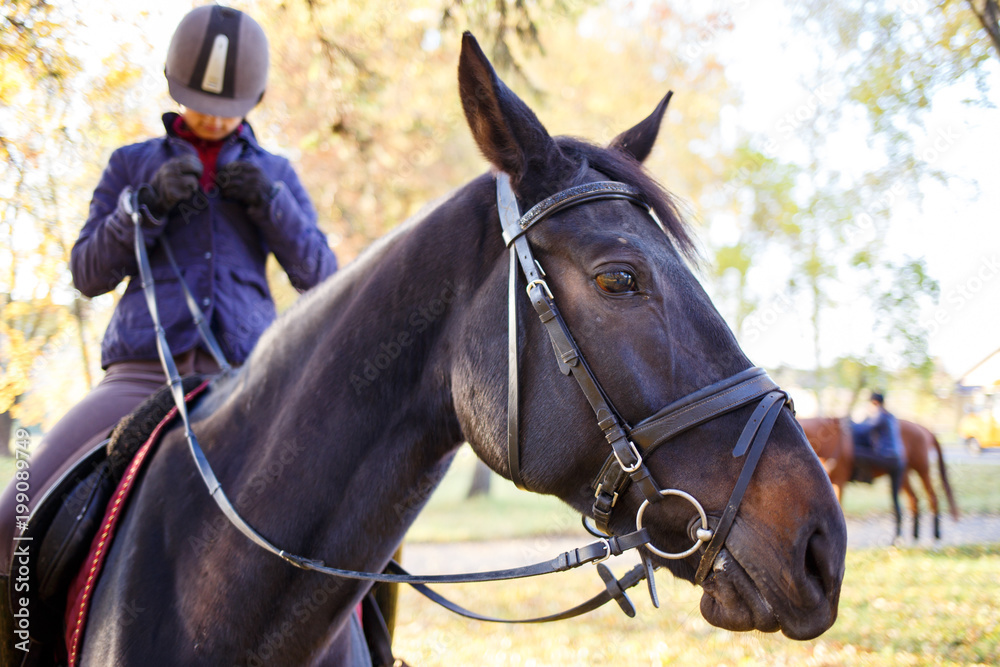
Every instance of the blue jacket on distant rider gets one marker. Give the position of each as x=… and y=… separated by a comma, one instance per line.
x=879, y=434
x=884, y=434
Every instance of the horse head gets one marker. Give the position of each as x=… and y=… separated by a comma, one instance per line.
x=649, y=335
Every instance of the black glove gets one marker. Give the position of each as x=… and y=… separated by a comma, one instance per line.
x=246, y=183
x=174, y=182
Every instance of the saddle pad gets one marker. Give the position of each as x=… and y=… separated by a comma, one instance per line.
x=82, y=588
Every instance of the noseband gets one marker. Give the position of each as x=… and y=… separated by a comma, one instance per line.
x=630, y=445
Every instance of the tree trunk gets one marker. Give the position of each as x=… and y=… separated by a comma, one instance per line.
x=480, y=480
x=819, y=376
x=6, y=427
x=989, y=17
x=78, y=315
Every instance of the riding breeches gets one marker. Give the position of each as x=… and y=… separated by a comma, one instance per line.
x=124, y=386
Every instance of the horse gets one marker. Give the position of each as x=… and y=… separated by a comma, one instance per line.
x=831, y=438
x=332, y=436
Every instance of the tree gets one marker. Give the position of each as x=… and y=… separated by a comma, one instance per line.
x=879, y=67
x=49, y=169
x=34, y=69
x=481, y=477
x=988, y=13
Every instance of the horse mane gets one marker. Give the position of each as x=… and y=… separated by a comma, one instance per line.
x=619, y=166
x=613, y=163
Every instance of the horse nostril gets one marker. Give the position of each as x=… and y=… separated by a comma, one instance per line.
x=823, y=561
x=815, y=556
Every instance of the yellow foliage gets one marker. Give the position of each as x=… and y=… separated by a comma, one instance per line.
x=362, y=97
x=18, y=355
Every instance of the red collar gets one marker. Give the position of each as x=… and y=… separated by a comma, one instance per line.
x=208, y=149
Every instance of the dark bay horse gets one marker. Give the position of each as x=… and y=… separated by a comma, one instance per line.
x=332, y=436
x=831, y=438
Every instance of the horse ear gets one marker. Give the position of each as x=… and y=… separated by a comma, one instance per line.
x=508, y=133
x=638, y=141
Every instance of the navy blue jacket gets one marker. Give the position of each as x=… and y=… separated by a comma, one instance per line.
x=220, y=246
x=884, y=435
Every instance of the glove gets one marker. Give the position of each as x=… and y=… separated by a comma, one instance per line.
x=174, y=182
x=246, y=183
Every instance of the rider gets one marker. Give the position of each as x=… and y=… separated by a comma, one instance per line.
x=878, y=442
x=223, y=202
x=884, y=430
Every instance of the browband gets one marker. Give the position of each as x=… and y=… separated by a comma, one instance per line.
x=570, y=197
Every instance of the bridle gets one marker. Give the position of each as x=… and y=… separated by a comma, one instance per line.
x=629, y=444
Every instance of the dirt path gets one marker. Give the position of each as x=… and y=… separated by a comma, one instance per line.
x=430, y=558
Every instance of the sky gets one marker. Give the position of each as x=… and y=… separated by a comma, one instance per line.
x=955, y=230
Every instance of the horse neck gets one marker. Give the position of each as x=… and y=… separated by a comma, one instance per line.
x=354, y=381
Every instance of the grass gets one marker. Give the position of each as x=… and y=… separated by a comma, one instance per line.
x=506, y=512
x=898, y=607
x=976, y=489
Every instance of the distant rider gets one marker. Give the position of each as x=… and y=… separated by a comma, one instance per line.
x=878, y=444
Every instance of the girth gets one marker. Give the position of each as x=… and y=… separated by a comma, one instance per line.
x=629, y=444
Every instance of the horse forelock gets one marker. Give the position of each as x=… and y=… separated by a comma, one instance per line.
x=618, y=166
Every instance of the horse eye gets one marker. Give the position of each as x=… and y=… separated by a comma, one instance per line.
x=617, y=282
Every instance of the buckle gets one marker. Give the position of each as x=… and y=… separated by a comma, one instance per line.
x=638, y=459
x=607, y=550
x=600, y=490
x=543, y=285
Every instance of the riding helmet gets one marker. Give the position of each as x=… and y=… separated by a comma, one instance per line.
x=217, y=62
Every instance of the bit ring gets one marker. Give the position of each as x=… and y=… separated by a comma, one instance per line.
x=704, y=534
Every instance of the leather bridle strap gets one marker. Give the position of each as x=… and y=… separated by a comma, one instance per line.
x=702, y=406
x=146, y=274
x=758, y=433
x=568, y=355
x=693, y=410
x=200, y=322
x=615, y=590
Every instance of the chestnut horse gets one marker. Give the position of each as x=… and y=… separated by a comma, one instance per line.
x=831, y=438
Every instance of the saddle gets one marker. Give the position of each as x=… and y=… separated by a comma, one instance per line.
x=867, y=462
x=63, y=524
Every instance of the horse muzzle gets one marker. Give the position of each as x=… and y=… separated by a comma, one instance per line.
x=750, y=590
